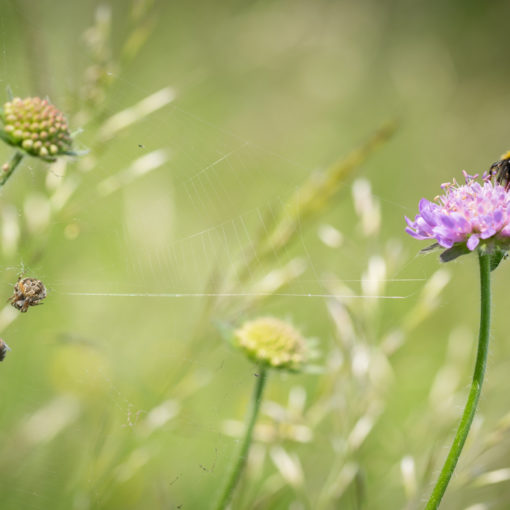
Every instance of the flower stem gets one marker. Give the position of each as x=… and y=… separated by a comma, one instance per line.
x=476, y=386
x=237, y=469
x=8, y=168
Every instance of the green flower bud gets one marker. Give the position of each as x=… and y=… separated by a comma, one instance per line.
x=27, y=144
x=272, y=343
x=37, y=127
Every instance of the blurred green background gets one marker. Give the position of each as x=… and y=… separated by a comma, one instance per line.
x=117, y=397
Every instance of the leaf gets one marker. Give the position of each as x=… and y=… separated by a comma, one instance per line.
x=454, y=252
x=496, y=258
x=4, y=137
x=83, y=152
x=431, y=248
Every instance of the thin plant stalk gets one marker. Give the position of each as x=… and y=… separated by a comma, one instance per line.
x=476, y=386
x=240, y=460
x=8, y=168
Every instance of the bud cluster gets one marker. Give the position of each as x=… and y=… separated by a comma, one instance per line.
x=273, y=343
x=36, y=126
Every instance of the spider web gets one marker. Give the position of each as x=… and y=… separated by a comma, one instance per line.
x=143, y=261
x=199, y=221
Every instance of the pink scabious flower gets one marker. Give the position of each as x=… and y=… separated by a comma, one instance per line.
x=465, y=214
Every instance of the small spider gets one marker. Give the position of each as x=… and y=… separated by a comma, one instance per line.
x=27, y=292
x=4, y=348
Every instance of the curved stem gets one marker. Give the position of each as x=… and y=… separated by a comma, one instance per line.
x=237, y=469
x=8, y=168
x=476, y=387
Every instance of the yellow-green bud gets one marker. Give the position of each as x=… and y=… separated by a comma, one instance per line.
x=36, y=126
x=272, y=343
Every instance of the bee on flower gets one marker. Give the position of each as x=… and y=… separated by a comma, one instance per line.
x=501, y=169
x=469, y=217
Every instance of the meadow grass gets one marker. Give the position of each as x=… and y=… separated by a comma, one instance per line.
x=243, y=162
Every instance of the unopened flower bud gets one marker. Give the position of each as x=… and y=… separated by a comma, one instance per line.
x=28, y=122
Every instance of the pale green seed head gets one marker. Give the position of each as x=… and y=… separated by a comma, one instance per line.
x=272, y=343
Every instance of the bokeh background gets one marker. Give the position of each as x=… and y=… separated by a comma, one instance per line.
x=204, y=121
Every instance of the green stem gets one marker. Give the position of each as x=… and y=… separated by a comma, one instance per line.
x=237, y=469
x=476, y=387
x=8, y=168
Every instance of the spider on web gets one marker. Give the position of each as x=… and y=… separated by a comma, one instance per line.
x=27, y=292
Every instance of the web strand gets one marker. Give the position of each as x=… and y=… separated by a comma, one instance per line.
x=228, y=294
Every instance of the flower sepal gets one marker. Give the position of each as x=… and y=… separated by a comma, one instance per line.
x=456, y=251
x=447, y=254
x=497, y=257
x=497, y=249
x=4, y=137
x=431, y=248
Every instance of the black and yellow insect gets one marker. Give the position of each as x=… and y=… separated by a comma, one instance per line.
x=501, y=169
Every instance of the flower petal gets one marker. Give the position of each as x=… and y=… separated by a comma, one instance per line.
x=473, y=241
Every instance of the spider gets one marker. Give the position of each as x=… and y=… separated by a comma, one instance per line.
x=27, y=292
